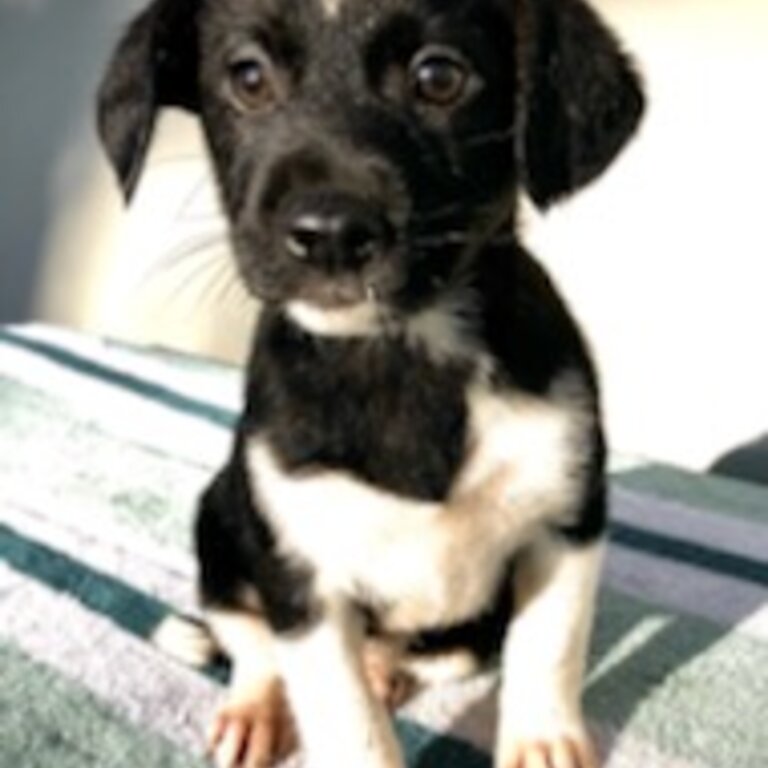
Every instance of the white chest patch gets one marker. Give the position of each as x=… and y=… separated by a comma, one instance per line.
x=433, y=563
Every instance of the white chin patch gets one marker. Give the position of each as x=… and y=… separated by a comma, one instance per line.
x=441, y=330
x=361, y=319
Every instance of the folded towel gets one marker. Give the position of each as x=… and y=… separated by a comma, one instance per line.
x=103, y=450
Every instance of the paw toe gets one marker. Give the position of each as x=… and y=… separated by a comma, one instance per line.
x=252, y=735
x=558, y=752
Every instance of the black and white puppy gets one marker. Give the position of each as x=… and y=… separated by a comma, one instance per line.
x=417, y=479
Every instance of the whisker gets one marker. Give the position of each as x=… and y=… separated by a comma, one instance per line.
x=184, y=275
x=444, y=238
x=182, y=212
x=213, y=296
x=506, y=239
x=461, y=238
x=492, y=137
x=198, y=274
x=437, y=213
x=231, y=289
x=196, y=247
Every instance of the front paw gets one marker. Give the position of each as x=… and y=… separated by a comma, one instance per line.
x=253, y=732
x=566, y=747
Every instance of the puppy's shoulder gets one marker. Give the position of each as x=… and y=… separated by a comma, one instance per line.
x=527, y=327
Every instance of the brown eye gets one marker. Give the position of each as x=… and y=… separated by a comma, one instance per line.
x=439, y=79
x=251, y=83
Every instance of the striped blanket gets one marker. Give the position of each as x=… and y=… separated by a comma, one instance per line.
x=103, y=450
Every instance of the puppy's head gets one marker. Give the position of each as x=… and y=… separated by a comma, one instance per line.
x=367, y=148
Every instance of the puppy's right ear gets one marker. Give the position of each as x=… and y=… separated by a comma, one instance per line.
x=155, y=65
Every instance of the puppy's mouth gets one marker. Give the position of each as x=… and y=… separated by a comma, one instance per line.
x=396, y=281
x=336, y=292
x=377, y=283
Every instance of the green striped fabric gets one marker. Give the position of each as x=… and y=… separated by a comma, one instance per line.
x=103, y=450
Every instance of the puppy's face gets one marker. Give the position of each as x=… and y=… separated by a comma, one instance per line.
x=367, y=149
x=362, y=147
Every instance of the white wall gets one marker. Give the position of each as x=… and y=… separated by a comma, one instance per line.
x=665, y=259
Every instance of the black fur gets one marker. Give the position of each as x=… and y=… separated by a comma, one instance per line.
x=374, y=409
x=154, y=65
x=482, y=636
x=237, y=550
x=583, y=99
x=548, y=101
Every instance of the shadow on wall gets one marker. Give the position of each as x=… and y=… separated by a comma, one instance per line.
x=51, y=57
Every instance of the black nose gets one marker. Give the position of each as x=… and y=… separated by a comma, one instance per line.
x=336, y=230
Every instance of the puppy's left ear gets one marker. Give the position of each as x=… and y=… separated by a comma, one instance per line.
x=583, y=99
x=154, y=65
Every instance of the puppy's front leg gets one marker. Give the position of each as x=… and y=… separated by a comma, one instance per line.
x=541, y=722
x=254, y=726
x=339, y=720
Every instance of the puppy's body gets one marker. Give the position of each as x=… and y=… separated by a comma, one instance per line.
x=418, y=472
x=390, y=468
x=408, y=479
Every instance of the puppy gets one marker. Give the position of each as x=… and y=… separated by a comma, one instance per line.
x=416, y=483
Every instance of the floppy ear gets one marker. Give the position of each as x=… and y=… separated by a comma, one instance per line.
x=583, y=99
x=154, y=65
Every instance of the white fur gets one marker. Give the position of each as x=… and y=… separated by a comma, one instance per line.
x=248, y=642
x=441, y=668
x=546, y=647
x=339, y=720
x=443, y=330
x=186, y=641
x=362, y=319
x=433, y=563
